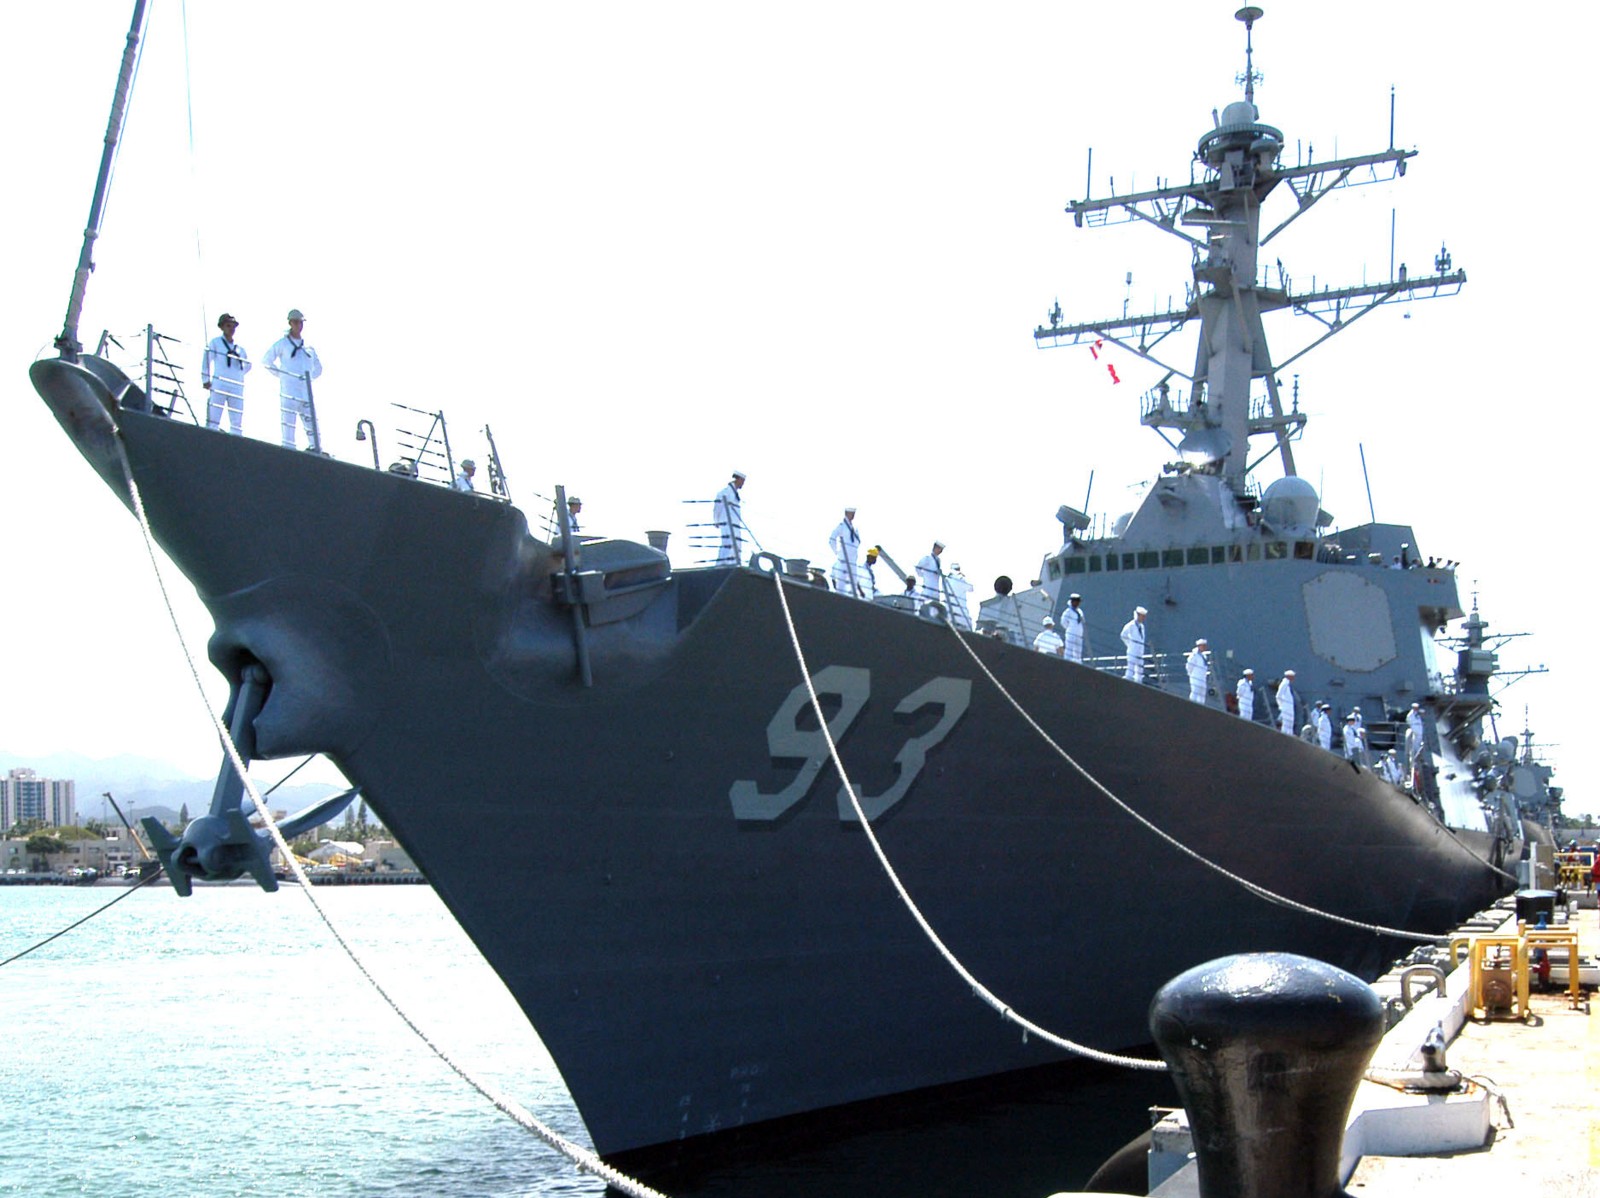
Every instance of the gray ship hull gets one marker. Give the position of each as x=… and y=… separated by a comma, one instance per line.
x=659, y=866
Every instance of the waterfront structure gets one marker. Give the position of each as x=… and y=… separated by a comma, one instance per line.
x=26, y=796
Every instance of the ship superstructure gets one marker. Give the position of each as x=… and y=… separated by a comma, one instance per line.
x=1263, y=573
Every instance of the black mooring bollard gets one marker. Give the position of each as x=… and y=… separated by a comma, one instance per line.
x=1266, y=1050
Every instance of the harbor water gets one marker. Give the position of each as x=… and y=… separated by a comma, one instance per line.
x=225, y=1045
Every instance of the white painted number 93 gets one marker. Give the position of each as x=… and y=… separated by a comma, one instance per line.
x=786, y=741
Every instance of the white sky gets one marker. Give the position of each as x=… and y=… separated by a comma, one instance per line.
x=651, y=243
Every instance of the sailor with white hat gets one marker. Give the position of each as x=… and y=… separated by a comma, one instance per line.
x=1199, y=670
x=1355, y=740
x=1072, y=627
x=1415, y=731
x=1133, y=643
x=930, y=576
x=1048, y=640
x=295, y=364
x=729, y=520
x=845, y=541
x=1286, y=703
x=1245, y=692
x=1324, y=725
x=463, y=480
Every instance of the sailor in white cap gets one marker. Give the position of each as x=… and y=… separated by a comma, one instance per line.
x=1072, y=628
x=1245, y=692
x=222, y=370
x=1133, y=642
x=1199, y=670
x=930, y=575
x=1286, y=703
x=1355, y=739
x=295, y=364
x=1415, y=731
x=1048, y=640
x=463, y=479
x=574, y=509
x=729, y=519
x=845, y=541
x=1323, y=722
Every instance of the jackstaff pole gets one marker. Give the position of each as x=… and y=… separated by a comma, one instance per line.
x=68, y=342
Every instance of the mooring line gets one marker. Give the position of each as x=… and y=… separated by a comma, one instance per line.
x=582, y=1158
x=978, y=988
x=79, y=923
x=1254, y=888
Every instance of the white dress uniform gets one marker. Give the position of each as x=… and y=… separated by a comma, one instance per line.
x=1324, y=728
x=725, y=513
x=1072, y=628
x=295, y=363
x=223, y=366
x=1286, y=706
x=845, y=542
x=1199, y=674
x=1133, y=640
x=1048, y=641
x=1245, y=692
x=1415, y=732
x=930, y=576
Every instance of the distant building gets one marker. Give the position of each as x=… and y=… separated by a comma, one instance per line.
x=24, y=796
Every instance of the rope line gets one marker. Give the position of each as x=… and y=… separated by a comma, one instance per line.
x=966, y=975
x=581, y=1157
x=79, y=923
x=1259, y=891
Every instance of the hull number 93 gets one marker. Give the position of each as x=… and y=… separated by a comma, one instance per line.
x=788, y=742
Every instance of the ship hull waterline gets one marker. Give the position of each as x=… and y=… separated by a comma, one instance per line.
x=660, y=867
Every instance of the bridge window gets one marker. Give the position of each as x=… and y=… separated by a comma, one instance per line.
x=1277, y=551
x=1149, y=559
x=1055, y=567
x=1305, y=551
x=1074, y=565
x=1219, y=554
x=1252, y=552
x=1094, y=564
x=1200, y=556
x=1111, y=561
x=1171, y=557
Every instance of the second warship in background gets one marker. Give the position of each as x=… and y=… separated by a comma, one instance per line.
x=698, y=931
x=1358, y=613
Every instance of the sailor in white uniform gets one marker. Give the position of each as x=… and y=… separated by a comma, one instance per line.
x=295, y=363
x=1199, y=670
x=930, y=577
x=1072, y=628
x=1286, y=703
x=845, y=541
x=574, y=510
x=1415, y=730
x=222, y=370
x=729, y=519
x=1048, y=640
x=1133, y=642
x=1324, y=726
x=463, y=480
x=1245, y=693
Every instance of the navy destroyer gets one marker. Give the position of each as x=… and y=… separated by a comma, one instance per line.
x=697, y=928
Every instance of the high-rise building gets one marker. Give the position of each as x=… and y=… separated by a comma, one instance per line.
x=26, y=796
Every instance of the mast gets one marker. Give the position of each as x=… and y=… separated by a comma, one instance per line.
x=68, y=342
x=1239, y=167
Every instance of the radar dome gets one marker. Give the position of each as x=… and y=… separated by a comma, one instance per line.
x=1290, y=505
x=1240, y=112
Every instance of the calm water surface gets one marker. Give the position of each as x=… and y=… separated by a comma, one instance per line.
x=224, y=1045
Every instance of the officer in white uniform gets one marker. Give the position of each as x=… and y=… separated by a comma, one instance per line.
x=1048, y=640
x=1199, y=671
x=1072, y=628
x=1355, y=740
x=463, y=479
x=729, y=519
x=1323, y=725
x=1286, y=703
x=845, y=541
x=296, y=364
x=930, y=577
x=574, y=509
x=1133, y=642
x=1245, y=692
x=1415, y=730
x=222, y=370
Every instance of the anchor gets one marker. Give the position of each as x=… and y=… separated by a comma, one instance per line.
x=221, y=845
